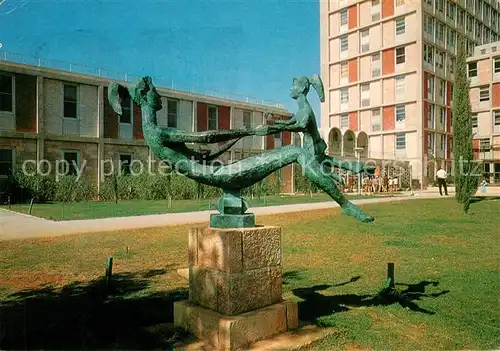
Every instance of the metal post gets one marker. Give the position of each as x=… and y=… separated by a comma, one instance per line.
x=390, y=275
x=359, y=176
x=109, y=269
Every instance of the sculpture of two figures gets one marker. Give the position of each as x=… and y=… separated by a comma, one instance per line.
x=169, y=144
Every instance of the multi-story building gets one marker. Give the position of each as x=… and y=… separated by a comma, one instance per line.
x=388, y=69
x=48, y=115
x=484, y=75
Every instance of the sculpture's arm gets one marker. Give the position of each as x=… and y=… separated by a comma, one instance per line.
x=144, y=94
x=172, y=135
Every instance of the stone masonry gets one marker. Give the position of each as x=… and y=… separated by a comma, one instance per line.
x=235, y=287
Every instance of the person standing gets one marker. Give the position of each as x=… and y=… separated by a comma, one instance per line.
x=441, y=177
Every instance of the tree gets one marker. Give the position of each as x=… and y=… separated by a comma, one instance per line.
x=466, y=180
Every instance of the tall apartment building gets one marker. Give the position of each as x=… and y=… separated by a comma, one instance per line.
x=48, y=115
x=388, y=69
x=484, y=75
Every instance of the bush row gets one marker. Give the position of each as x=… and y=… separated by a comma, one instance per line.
x=22, y=188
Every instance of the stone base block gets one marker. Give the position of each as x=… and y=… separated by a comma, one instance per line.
x=225, y=221
x=235, y=332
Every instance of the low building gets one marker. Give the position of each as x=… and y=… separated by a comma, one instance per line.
x=48, y=115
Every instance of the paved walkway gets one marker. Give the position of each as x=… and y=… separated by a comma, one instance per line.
x=21, y=226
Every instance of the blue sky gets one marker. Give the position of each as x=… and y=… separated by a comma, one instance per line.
x=251, y=47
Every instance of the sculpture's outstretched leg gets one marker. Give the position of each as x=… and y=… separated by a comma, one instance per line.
x=355, y=167
x=313, y=172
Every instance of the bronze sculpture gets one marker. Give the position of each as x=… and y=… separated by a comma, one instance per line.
x=169, y=144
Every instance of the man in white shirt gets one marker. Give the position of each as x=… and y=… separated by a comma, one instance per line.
x=441, y=177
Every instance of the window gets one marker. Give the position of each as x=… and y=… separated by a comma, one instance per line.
x=428, y=54
x=365, y=40
x=400, y=2
x=344, y=121
x=400, y=86
x=344, y=43
x=451, y=64
x=429, y=26
x=344, y=70
x=431, y=116
x=429, y=2
x=440, y=59
x=376, y=65
x=430, y=87
x=126, y=116
x=496, y=118
x=400, y=55
x=343, y=17
x=478, y=8
x=440, y=31
x=247, y=119
x=486, y=14
x=486, y=35
x=400, y=113
x=442, y=116
x=472, y=69
x=430, y=143
x=470, y=24
x=451, y=9
x=6, y=162
x=496, y=64
x=451, y=38
x=376, y=123
x=470, y=48
x=461, y=17
x=440, y=5
x=125, y=163
x=479, y=31
x=400, y=26
x=344, y=96
x=474, y=120
x=484, y=93
x=365, y=95
x=375, y=10
x=213, y=120
x=400, y=141
x=6, y=93
x=72, y=163
x=442, y=88
x=172, y=110
x=484, y=144
x=443, y=143
x=70, y=102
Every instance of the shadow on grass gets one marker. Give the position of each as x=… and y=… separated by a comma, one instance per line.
x=316, y=305
x=125, y=314
x=476, y=199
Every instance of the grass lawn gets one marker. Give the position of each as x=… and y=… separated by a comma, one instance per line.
x=51, y=294
x=96, y=209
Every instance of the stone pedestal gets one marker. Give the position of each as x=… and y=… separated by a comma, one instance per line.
x=235, y=287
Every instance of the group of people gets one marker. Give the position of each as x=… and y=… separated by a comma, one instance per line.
x=371, y=184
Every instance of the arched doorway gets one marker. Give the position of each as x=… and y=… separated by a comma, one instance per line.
x=362, y=141
x=335, y=142
x=348, y=143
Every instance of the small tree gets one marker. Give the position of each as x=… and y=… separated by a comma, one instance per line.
x=465, y=179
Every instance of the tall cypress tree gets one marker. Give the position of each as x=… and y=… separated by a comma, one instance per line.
x=465, y=178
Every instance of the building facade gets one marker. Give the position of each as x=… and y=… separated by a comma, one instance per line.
x=49, y=115
x=388, y=69
x=484, y=75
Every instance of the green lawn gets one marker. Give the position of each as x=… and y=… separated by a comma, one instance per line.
x=51, y=295
x=96, y=209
